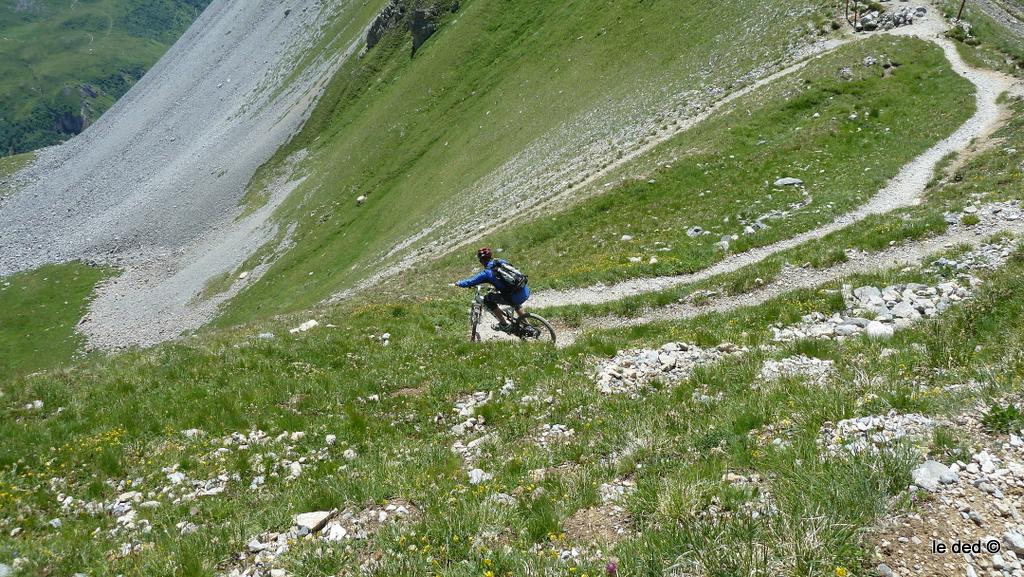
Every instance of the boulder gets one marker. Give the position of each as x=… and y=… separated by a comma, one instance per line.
x=879, y=331
x=866, y=293
x=477, y=476
x=904, y=310
x=846, y=329
x=930, y=474
x=304, y=327
x=313, y=522
x=1014, y=541
x=788, y=181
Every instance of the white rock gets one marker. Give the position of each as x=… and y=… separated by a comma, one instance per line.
x=312, y=522
x=879, y=331
x=477, y=476
x=1014, y=541
x=294, y=469
x=331, y=439
x=335, y=532
x=187, y=528
x=304, y=327
x=350, y=454
x=930, y=474
x=788, y=181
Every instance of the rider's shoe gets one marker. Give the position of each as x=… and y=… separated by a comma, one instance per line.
x=503, y=327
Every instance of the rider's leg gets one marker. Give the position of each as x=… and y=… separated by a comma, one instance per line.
x=500, y=316
x=520, y=312
x=495, y=311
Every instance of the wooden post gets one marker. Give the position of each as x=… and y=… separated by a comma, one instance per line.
x=847, y=11
x=961, y=12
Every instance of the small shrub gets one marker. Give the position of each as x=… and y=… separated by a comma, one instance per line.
x=970, y=219
x=1003, y=419
x=957, y=33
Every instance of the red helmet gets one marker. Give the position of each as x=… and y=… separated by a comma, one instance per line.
x=484, y=254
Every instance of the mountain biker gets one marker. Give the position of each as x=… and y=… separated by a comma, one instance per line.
x=505, y=295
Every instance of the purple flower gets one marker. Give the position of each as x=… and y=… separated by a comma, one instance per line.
x=612, y=568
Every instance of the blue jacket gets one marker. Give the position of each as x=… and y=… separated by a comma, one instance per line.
x=515, y=296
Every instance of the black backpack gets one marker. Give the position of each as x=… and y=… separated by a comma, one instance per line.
x=509, y=274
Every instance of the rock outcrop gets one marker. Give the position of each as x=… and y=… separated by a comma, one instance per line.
x=388, y=19
x=422, y=19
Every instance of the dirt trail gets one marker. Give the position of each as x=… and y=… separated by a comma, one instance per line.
x=909, y=254
x=905, y=189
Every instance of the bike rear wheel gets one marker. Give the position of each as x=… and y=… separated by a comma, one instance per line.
x=536, y=328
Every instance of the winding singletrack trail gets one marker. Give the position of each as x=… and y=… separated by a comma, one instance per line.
x=908, y=254
x=905, y=189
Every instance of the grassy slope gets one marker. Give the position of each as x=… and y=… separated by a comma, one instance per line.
x=996, y=175
x=721, y=171
x=413, y=134
x=39, y=311
x=49, y=49
x=119, y=419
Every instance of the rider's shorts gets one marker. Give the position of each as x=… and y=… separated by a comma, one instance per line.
x=493, y=299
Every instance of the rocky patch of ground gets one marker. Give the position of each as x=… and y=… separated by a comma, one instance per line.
x=816, y=371
x=259, y=559
x=630, y=371
x=966, y=519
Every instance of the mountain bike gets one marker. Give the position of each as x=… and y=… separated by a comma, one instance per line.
x=529, y=328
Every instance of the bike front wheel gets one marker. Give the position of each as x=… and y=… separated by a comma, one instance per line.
x=474, y=323
x=536, y=328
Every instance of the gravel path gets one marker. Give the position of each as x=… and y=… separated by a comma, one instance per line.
x=903, y=190
x=909, y=254
x=154, y=186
